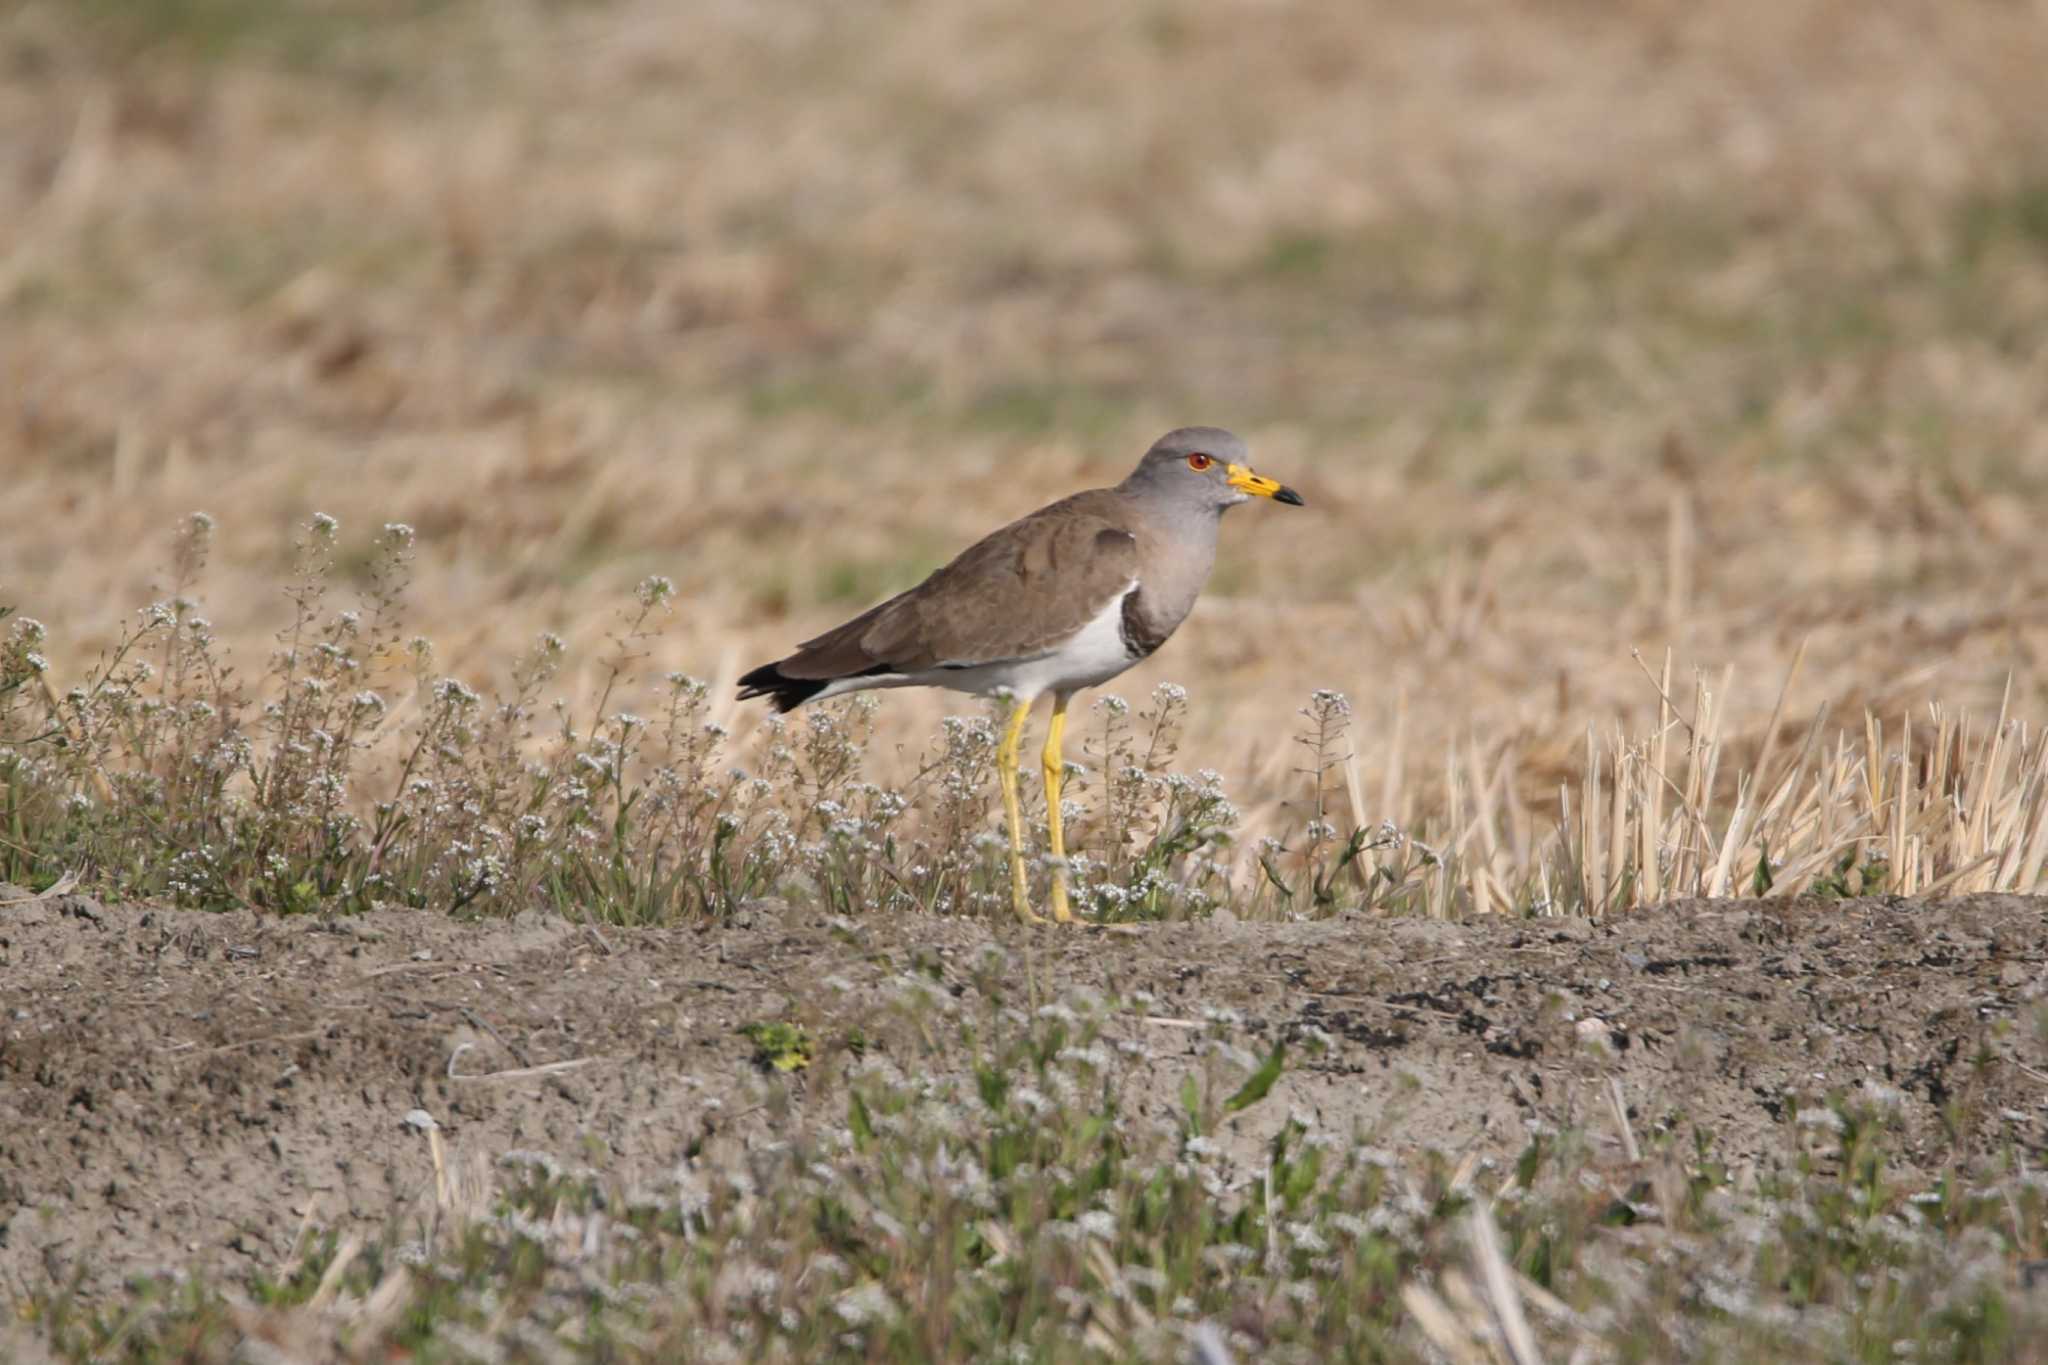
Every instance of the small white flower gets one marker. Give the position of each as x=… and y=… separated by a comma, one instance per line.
x=864, y=1303
x=1330, y=702
x=1306, y=1237
x=1821, y=1118
x=453, y=692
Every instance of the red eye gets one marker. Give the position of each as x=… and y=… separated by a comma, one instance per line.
x=1198, y=463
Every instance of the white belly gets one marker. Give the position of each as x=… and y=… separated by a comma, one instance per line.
x=1091, y=656
x=1095, y=654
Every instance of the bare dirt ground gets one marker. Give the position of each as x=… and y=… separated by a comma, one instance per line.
x=183, y=1091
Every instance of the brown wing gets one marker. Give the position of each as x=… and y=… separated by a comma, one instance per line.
x=1016, y=594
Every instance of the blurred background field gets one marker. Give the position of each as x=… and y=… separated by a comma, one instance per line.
x=1584, y=328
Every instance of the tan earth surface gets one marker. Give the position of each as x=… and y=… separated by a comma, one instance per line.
x=196, y=1092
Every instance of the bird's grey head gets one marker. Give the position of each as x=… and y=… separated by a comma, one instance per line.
x=1203, y=467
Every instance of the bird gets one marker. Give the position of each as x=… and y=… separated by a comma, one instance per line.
x=1063, y=599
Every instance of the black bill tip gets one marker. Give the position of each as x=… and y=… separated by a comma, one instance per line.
x=1289, y=496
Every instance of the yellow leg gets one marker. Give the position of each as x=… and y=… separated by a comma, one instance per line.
x=1006, y=773
x=1055, y=771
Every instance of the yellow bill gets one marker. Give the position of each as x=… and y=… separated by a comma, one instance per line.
x=1260, y=486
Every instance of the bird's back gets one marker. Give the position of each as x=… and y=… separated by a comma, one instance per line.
x=1018, y=592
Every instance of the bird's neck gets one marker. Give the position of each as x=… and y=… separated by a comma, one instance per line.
x=1178, y=559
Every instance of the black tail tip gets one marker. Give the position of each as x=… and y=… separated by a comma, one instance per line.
x=786, y=694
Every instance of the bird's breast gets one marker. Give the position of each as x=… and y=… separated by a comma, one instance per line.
x=1144, y=629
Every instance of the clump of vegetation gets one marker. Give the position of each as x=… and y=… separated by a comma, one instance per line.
x=353, y=773
x=779, y=1044
x=1025, y=1205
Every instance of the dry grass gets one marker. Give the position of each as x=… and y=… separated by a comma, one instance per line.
x=1713, y=331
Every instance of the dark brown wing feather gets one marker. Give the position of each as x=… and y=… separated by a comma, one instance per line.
x=1015, y=594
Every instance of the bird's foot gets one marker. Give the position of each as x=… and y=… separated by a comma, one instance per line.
x=1061, y=911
